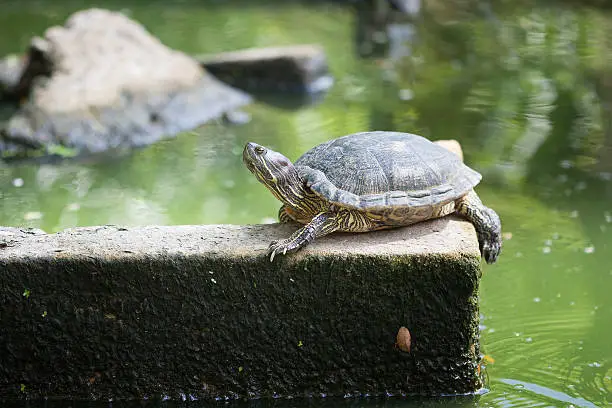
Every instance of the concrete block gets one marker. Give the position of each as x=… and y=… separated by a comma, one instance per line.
x=297, y=68
x=200, y=311
x=451, y=145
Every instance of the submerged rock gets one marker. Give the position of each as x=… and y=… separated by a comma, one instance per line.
x=102, y=81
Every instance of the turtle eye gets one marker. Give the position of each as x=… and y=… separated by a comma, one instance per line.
x=259, y=150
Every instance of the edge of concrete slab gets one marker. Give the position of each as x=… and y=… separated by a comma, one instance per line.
x=446, y=236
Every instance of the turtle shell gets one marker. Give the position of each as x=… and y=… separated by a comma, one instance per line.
x=378, y=170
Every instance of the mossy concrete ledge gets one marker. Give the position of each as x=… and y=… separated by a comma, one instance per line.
x=201, y=312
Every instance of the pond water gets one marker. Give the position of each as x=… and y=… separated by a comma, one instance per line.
x=525, y=87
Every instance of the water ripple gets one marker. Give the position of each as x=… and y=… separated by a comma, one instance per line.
x=547, y=394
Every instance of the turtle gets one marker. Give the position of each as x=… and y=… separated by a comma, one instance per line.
x=371, y=181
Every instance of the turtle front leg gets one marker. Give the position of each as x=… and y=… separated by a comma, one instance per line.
x=487, y=224
x=322, y=224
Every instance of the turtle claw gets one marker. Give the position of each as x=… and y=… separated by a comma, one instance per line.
x=490, y=251
x=490, y=245
x=280, y=248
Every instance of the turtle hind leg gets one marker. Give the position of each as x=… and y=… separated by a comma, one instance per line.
x=487, y=224
x=283, y=215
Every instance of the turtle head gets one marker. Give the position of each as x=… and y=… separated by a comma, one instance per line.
x=275, y=171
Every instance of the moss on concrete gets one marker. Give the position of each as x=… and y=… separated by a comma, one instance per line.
x=116, y=313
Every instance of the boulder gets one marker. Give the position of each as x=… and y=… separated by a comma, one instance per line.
x=103, y=82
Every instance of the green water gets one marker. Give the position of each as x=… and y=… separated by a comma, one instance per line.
x=526, y=89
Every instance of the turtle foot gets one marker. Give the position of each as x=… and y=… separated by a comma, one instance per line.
x=490, y=250
x=490, y=238
x=281, y=247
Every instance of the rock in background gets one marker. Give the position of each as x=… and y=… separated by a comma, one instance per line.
x=300, y=69
x=11, y=68
x=103, y=82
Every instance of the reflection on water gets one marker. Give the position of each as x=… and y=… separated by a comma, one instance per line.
x=547, y=393
x=527, y=91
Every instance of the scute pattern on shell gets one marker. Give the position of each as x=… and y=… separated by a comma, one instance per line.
x=370, y=170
